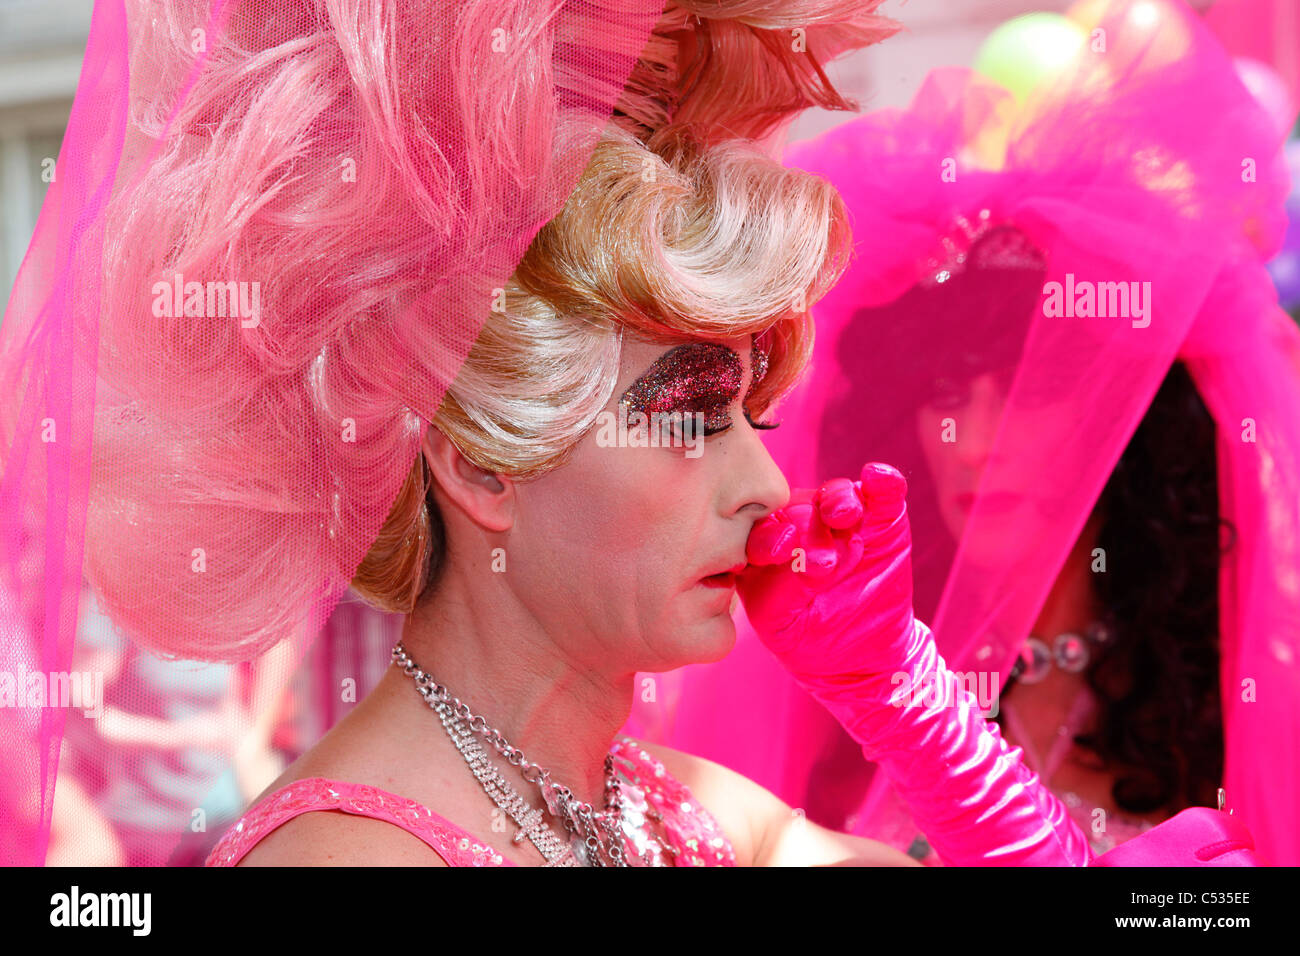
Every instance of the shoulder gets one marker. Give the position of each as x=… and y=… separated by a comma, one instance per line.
x=762, y=828
x=335, y=838
x=745, y=810
x=300, y=822
x=352, y=799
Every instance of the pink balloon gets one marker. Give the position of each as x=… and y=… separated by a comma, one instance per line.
x=1269, y=90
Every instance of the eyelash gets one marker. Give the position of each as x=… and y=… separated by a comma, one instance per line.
x=761, y=426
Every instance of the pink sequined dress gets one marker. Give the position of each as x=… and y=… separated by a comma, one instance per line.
x=693, y=837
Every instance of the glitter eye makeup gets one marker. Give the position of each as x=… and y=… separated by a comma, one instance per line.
x=696, y=377
x=699, y=377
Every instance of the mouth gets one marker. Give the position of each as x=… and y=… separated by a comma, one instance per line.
x=723, y=579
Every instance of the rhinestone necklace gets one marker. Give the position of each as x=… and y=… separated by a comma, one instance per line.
x=596, y=836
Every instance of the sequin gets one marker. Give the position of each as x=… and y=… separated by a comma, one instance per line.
x=758, y=369
x=696, y=377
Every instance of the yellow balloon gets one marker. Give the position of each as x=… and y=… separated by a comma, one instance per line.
x=1026, y=51
x=1024, y=56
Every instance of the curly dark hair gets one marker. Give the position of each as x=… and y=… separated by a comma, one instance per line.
x=1159, y=724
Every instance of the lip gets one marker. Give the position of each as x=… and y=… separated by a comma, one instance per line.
x=723, y=579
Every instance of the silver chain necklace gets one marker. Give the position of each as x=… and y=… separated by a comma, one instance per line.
x=597, y=835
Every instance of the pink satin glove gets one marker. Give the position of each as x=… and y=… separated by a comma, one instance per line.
x=839, y=617
x=1198, y=836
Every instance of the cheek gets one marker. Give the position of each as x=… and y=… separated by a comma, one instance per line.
x=659, y=537
x=1028, y=442
x=659, y=499
x=619, y=519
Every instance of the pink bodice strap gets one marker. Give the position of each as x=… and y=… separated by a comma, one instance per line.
x=690, y=829
x=446, y=839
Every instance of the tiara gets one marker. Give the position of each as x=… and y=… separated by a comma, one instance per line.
x=981, y=245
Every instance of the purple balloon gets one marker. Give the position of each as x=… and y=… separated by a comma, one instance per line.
x=1285, y=266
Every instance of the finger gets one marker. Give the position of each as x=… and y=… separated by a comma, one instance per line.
x=770, y=540
x=839, y=504
x=819, y=562
x=882, y=486
x=818, y=553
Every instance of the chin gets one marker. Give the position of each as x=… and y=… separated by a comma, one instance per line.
x=705, y=641
x=699, y=632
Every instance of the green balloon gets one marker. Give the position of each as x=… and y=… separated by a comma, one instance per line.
x=1028, y=49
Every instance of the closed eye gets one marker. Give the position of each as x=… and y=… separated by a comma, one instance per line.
x=761, y=426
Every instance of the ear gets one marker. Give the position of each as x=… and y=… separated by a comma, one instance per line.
x=487, y=499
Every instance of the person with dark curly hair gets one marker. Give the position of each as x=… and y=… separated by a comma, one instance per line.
x=1114, y=696
x=1157, y=680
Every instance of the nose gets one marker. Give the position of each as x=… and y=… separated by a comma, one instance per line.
x=977, y=423
x=760, y=487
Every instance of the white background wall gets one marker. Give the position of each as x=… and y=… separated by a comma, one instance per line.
x=41, y=46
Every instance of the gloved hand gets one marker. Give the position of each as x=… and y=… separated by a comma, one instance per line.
x=839, y=617
x=1197, y=836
